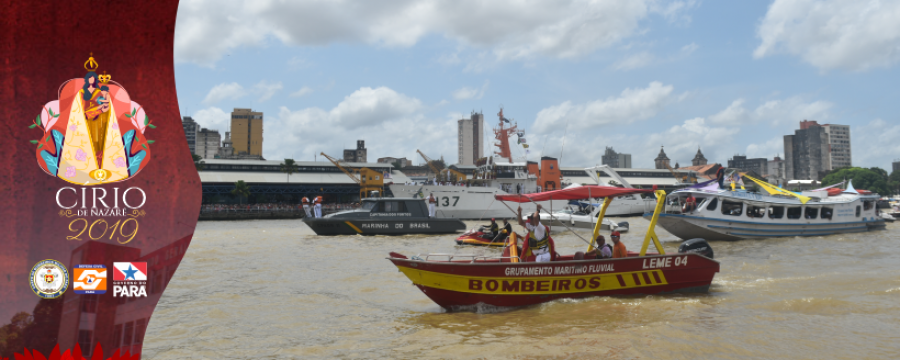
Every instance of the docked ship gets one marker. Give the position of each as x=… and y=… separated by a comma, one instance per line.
x=723, y=214
x=384, y=216
x=501, y=174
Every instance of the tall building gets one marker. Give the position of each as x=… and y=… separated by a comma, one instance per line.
x=227, y=149
x=758, y=165
x=896, y=165
x=357, y=155
x=699, y=159
x=806, y=153
x=775, y=172
x=190, y=132
x=662, y=161
x=247, y=131
x=839, y=138
x=390, y=160
x=208, y=143
x=471, y=139
x=615, y=160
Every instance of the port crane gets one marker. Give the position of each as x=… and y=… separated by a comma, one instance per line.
x=367, y=179
x=681, y=179
x=431, y=163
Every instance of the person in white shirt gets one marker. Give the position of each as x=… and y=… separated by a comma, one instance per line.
x=538, y=242
x=432, y=202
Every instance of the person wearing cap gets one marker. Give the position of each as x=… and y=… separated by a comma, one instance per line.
x=602, y=251
x=538, y=244
x=619, y=250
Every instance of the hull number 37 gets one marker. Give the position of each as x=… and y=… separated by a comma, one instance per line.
x=446, y=200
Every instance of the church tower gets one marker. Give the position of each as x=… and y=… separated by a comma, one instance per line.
x=662, y=161
x=699, y=159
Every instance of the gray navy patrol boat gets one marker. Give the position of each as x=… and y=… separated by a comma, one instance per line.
x=385, y=216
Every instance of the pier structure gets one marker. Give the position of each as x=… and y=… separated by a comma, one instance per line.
x=268, y=184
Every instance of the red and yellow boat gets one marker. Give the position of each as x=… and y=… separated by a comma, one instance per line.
x=477, y=238
x=454, y=281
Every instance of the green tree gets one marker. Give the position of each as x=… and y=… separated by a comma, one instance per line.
x=198, y=162
x=241, y=190
x=868, y=179
x=289, y=167
x=396, y=165
x=894, y=182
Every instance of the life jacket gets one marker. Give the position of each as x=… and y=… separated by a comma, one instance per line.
x=305, y=200
x=432, y=199
x=535, y=243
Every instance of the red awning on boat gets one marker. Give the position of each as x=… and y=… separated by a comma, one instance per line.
x=575, y=193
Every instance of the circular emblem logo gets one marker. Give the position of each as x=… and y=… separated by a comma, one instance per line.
x=49, y=279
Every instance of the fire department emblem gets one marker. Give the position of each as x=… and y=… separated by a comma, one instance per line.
x=49, y=279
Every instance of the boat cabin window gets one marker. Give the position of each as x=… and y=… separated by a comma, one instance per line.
x=857, y=210
x=393, y=206
x=794, y=212
x=827, y=212
x=776, y=212
x=369, y=205
x=812, y=212
x=734, y=208
x=755, y=211
x=867, y=205
x=712, y=204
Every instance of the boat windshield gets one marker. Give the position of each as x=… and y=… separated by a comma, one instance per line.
x=369, y=205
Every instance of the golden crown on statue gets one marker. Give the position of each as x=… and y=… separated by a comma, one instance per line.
x=105, y=78
x=91, y=64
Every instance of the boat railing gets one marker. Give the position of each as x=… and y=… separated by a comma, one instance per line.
x=474, y=257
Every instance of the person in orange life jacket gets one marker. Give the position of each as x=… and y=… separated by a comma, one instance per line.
x=318, y=206
x=432, y=202
x=305, y=202
x=602, y=251
x=619, y=250
x=537, y=245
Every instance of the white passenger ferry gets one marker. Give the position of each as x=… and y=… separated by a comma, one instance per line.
x=736, y=215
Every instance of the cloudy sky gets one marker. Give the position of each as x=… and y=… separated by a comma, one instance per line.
x=730, y=77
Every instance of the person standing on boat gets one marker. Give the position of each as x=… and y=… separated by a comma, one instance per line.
x=305, y=202
x=538, y=243
x=318, y=206
x=432, y=202
x=720, y=176
x=619, y=250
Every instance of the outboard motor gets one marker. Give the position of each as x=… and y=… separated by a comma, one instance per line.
x=698, y=246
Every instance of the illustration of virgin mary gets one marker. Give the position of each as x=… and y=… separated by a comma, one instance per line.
x=94, y=133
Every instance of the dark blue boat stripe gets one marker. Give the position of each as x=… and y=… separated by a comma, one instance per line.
x=756, y=223
x=771, y=230
x=783, y=235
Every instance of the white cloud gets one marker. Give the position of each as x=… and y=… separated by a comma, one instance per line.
x=792, y=110
x=734, y=114
x=367, y=114
x=635, y=61
x=213, y=118
x=681, y=141
x=768, y=149
x=231, y=91
x=875, y=143
x=302, y=92
x=511, y=29
x=470, y=93
x=266, y=90
x=831, y=34
x=631, y=105
x=689, y=48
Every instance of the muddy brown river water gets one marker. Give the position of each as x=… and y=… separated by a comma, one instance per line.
x=271, y=289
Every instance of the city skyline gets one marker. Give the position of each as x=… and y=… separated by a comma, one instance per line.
x=681, y=74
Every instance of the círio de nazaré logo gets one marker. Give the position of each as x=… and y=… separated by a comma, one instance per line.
x=94, y=132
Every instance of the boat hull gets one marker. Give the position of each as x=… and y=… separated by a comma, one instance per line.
x=689, y=227
x=459, y=284
x=329, y=226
